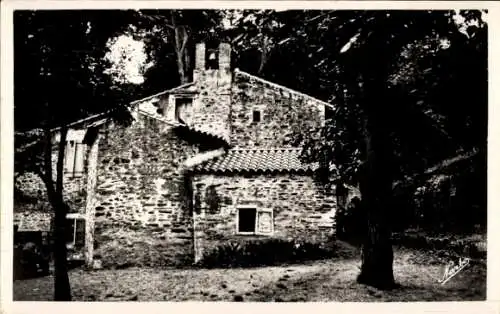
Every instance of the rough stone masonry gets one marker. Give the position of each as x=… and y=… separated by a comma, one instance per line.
x=144, y=207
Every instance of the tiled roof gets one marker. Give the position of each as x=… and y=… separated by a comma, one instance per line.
x=265, y=160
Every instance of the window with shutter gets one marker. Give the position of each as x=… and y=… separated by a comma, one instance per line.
x=246, y=220
x=74, y=158
x=264, y=222
x=79, y=159
x=255, y=221
x=69, y=157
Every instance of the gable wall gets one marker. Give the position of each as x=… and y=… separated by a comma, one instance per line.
x=141, y=213
x=283, y=113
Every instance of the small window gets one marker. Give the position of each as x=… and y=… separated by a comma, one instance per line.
x=75, y=232
x=256, y=116
x=182, y=105
x=246, y=220
x=74, y=158
x=254, y=221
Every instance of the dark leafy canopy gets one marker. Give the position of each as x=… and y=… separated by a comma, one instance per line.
x=59, y=65
x=435, y=77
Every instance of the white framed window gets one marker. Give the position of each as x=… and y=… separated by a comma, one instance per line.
x=75, y=231
x=253, y=220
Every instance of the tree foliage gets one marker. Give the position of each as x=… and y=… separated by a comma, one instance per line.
x=427, y=56
x=170, y=36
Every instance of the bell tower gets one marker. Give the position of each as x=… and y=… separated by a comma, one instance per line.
x=212, y=77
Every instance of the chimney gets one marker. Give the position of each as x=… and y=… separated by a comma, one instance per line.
x=224, y=73
x=225, y=57
x=212, y=107
x=200, y=57
x=199, y=61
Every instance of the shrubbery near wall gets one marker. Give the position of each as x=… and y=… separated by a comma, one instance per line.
x=263, y=253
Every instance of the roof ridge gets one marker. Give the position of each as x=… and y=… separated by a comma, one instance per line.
x=160, y=93
x=145, y=113
x=265, y=149
x=203, y=157
x=283, y=87
x=177, y=124
x=148, y=97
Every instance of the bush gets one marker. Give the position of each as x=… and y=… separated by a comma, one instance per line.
x=29, y=261
x=263, y=253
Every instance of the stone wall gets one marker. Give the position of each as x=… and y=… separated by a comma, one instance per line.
x=284, y=113
x=33, y=221
x=142, y=213
x=211, y=107
x=301, y=208
x=31, y=199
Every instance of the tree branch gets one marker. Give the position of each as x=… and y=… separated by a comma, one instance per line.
x=443, y=165
x=184, y=39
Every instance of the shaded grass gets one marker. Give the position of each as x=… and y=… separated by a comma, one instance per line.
x=326, y=280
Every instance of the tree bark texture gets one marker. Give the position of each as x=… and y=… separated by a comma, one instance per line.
x=181, y=38
x=376, y=179
x=62, y=289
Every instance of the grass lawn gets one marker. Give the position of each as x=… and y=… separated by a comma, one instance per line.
x=327, y=280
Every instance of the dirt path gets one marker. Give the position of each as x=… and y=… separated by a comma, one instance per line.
x=329, y=280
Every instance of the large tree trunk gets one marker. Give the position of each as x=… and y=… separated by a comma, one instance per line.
x=377, y=255
x=376, y=180
x=62, y=289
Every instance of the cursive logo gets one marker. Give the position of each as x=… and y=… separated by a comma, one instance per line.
x=454, y=268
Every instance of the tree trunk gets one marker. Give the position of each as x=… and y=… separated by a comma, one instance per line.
x=180, y=43
x=263, y=54
x=62, y=289
x=341, y=196
x=376, y=179
x=180, y=69
x=187, y=66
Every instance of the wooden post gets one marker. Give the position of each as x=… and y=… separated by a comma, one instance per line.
x=91, y=202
